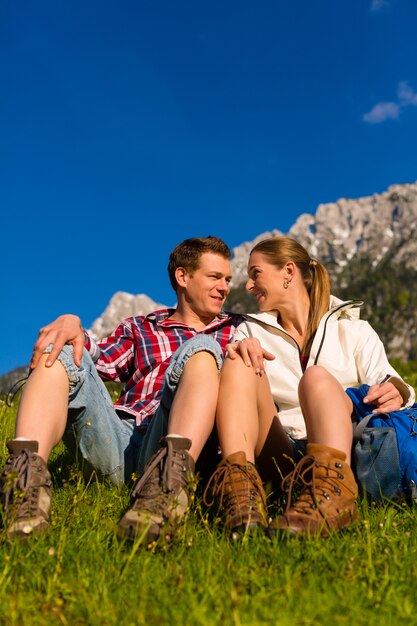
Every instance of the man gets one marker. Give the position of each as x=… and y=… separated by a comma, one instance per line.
x=169, y=362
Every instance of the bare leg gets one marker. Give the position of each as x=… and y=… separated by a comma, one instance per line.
x=327, y=410
x=193, y=409
x=246, y=415
x=43, y=409
x=248, y=430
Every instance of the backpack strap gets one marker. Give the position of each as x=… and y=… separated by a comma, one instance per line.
x=359, y=427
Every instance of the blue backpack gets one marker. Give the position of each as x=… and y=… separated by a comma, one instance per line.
x=384, y=455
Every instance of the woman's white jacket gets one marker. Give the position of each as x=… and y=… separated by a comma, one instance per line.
x=345, y=345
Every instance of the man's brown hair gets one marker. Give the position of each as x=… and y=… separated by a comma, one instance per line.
x=187, y=255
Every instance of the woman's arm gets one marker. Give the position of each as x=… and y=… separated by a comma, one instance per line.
x=375, y=370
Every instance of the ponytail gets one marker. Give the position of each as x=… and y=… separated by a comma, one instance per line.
x=319, y=293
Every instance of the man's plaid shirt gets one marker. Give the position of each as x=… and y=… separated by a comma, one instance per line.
x=138, y=354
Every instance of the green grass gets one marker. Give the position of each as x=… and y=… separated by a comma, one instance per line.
x=80, y=573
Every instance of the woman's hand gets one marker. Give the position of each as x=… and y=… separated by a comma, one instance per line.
x=251, y=352
x=385, y=397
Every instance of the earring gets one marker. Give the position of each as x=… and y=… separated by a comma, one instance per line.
x=286, y=283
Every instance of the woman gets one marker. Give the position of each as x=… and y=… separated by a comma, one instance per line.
x=315, y=347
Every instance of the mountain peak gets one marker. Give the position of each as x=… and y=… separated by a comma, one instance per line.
x=370, y=226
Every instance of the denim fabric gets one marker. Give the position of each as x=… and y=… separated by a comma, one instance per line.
x=114, y=447
x=95, y=433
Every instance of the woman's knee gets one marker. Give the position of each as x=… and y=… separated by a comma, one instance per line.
x=316, y=379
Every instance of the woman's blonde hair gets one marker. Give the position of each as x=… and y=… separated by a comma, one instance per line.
x=280, y=250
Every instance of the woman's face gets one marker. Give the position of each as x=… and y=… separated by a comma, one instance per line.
x=265, y=282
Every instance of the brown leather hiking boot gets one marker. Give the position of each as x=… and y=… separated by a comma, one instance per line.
x=26, y=490
x=162, y=495
x=242, y=498
x=327, y=499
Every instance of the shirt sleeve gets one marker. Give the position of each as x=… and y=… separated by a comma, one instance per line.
x=91, y=346
x=114, y=355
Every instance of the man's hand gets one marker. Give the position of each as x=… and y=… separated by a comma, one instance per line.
x=65, y=329
x=385, y=397
x=252, y=353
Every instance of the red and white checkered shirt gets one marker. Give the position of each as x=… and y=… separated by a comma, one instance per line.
x=138, y=354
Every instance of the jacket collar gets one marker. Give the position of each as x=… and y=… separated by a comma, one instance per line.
x=349, y=309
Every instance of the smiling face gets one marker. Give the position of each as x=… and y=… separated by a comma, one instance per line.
x=206, y=289
x=265, y=282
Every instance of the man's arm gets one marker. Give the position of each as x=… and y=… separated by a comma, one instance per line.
x=66, y=329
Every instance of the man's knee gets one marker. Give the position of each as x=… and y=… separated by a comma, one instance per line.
x=194, y=346
x=203, y=358
x=190, y=348
x=202, y=343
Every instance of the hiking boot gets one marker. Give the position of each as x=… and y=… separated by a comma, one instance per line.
x=163, y=494
x=327, y=500
x=26, y=490
x=242, y=499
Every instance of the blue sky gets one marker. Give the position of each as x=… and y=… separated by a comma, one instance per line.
x=127, y=126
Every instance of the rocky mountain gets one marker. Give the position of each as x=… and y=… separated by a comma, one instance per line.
x=374, y=227
x=12, y=378
x=122, y=305
x=369, y=246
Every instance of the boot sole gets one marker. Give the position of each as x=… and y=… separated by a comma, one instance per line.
x=251, y=528
x=323, y=531
x=133, y=533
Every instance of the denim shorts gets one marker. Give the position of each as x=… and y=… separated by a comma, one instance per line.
x=102, y=440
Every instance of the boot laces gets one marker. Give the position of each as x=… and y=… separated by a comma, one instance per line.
x=234, y=485
x=314, y=489
x=164, y=475
x=19, y=492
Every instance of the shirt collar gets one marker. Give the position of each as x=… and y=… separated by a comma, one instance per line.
x=161, y=318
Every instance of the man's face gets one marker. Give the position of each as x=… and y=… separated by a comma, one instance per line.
x=207, y=289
